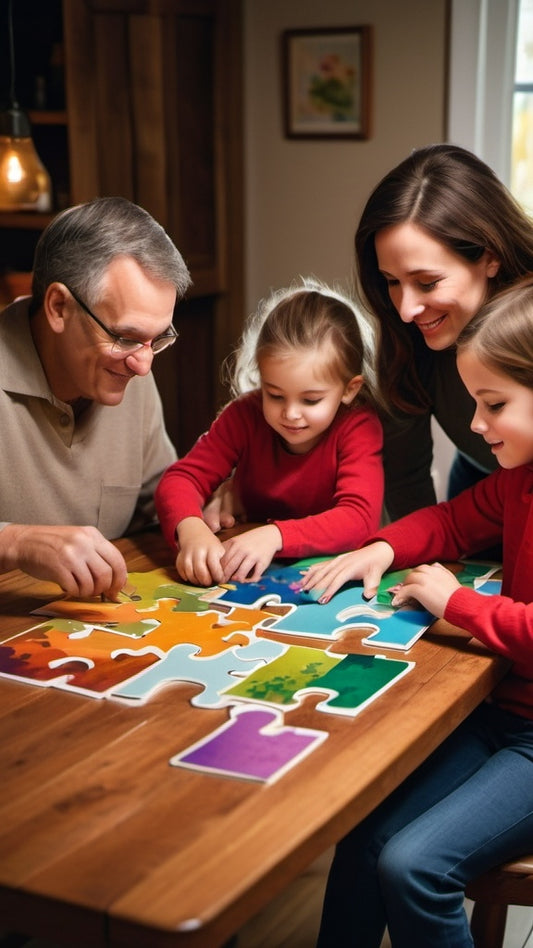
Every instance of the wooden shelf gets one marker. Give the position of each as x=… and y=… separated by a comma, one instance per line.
x=24, y=220
x=47, y=117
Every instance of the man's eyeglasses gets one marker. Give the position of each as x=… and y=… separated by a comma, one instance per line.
x=122, y=346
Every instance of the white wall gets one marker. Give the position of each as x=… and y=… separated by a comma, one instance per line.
x=303, y=198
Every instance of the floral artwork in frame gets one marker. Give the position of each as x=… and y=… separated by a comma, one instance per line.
x=327, y=82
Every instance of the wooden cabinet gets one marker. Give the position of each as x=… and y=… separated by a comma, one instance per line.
x=153, y=112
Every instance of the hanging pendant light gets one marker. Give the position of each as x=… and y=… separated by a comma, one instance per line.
x=24, y=181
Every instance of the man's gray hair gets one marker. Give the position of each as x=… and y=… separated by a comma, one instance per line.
x=79, y=244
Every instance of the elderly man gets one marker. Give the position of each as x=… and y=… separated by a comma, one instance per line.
x=83, y=437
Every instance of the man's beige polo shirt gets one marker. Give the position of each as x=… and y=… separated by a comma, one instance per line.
x=100, y=471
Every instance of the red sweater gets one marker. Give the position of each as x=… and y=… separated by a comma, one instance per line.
x=326, y=501
x=499, y=506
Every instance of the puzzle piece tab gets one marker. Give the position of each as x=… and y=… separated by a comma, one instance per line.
x=254, y=744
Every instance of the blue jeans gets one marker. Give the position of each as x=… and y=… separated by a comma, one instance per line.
x=468, y=807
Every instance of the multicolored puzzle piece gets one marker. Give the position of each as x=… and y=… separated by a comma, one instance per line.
x=182, y=664
x=96, y=659
x=350, y=681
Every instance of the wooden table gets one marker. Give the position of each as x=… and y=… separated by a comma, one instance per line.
x=102, y=843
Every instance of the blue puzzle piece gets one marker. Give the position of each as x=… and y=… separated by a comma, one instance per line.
x=215, y=672
x=348, y=609
x=492, y=587
x=400, y=630
x=277, y=584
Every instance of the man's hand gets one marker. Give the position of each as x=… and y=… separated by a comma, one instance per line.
x=224, y=509
x=247, y=555
x=369, y=563
x=79, y=559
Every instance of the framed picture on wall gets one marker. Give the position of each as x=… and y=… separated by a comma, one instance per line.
x=327, y=82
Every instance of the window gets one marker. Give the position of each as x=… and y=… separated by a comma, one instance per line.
x=521, y=182
x=481, y=79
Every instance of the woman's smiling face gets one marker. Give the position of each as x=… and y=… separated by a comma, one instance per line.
x=429, y=285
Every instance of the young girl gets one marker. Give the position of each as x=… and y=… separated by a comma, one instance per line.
x=304, y=440
x=469, y=807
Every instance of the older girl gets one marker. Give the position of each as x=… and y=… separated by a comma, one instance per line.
x=469, y=807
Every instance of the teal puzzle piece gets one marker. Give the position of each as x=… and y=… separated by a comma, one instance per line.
x=348, y=609
x=357, y=680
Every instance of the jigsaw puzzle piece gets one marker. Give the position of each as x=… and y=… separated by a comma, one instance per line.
x=348, y=609
x=278, y=584
x=356, y=681
x=328, y=620
x=52, y=654
x=212, y=632
x=401, y=629
x=350, y=682
x=183, y=664
x=28, y=655
x=278, y=682
x=254, y=745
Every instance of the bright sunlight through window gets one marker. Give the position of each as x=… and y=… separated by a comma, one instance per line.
x=522, y=142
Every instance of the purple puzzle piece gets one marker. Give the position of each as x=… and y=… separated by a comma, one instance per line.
x=253, y=744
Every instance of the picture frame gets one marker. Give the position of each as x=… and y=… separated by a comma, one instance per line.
x=327, y=82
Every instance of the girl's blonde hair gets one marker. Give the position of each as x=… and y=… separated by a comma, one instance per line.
x=307, y=315
x=501, y=334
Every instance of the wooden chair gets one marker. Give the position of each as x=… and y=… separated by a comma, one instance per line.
x=508, y=884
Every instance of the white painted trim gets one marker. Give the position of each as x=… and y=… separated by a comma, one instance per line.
x=481, y=78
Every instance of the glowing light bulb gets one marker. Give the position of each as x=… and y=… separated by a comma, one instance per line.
x=24, y=181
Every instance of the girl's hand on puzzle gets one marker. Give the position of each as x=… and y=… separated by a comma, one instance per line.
x=247, y=555
x=430, y=585
x=369, y=563
x=200, y=553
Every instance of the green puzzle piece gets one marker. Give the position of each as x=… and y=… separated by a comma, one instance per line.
x=355, y=680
